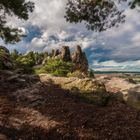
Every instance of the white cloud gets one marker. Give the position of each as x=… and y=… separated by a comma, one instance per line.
x=113, y=65
x=49, y=17
x=123, y=42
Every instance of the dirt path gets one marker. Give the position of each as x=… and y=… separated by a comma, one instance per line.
x=44, y=111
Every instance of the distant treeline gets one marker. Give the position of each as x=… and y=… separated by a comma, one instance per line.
x=119, y=72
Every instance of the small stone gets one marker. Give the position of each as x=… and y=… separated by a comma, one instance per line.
x=13, y=78
x=21, y=80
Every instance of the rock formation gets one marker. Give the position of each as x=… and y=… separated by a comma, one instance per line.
x=80, y=60
x=65, y=54
x=5, y=60
x=56, y=53
x=86, y=88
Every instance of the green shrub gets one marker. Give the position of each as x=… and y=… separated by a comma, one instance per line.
x=91, y=73
x=39, y=70
x=14, y=55
x=56, y=67
x=25, y=63
x=60, y=72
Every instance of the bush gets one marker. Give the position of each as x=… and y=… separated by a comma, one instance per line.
x=56, y=67
x=25, y=63
x=14, y=55
x=60, y=72
x=91, y=73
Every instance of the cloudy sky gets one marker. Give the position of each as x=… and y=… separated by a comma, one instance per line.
x=114, y=49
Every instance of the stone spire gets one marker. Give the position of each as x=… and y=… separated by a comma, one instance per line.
x=80, y=60
x=65, y=54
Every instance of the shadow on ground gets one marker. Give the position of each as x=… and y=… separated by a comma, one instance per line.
x=45, y=111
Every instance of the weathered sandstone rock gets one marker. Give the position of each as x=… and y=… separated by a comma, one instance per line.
x=87, y=88
x=5, y=60
x=80, y=60
x=65, y=54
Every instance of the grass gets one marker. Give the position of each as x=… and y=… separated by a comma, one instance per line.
x=55, y=67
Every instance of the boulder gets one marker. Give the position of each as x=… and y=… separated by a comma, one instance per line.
x=133, y=97
x=80, y=60
x=5, y=60
x=65, y=54
x=124, y=89
x=89, y=89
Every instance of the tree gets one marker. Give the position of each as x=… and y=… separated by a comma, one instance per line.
x=98, y=15
x=14, y=54
x=18, y=8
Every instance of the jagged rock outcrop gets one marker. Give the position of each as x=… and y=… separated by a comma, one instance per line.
x=5, y=60
x=80, y=60
x=65, y=54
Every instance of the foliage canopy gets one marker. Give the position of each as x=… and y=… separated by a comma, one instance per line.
x=18, y=8
x=98, y=15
